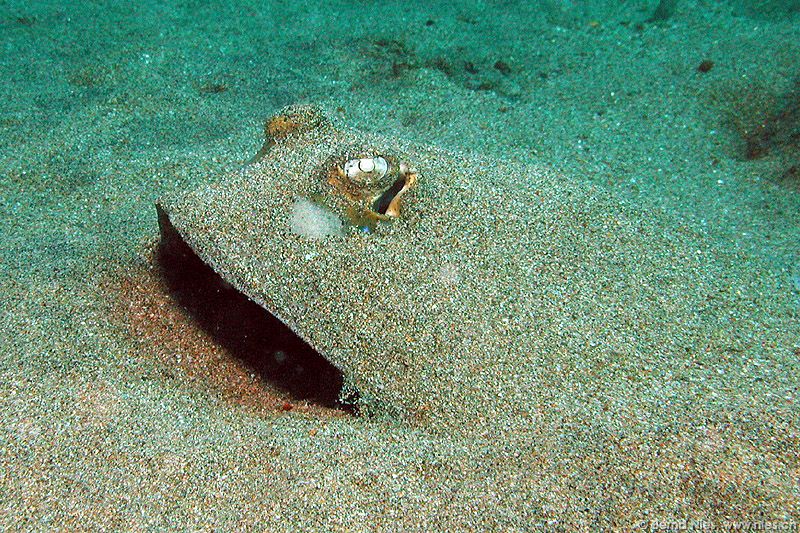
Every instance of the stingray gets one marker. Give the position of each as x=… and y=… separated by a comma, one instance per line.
x=452, y=287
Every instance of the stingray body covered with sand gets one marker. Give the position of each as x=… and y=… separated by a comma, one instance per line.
x=491, y=294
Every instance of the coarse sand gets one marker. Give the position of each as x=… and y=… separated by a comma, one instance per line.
x=615, y=192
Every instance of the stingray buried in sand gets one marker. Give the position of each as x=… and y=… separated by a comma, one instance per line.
x=445, y=286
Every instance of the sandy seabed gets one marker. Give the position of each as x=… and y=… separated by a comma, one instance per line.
x=121, y=405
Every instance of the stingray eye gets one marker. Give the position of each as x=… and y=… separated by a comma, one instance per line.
x=371, y=187
x=366, y=170
x=366, y=165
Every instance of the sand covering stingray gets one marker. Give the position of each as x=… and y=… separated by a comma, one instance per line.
x=500, y=287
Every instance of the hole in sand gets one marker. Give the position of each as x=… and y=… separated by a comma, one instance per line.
x=245, y=329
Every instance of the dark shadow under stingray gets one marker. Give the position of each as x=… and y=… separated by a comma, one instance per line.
x=243, y=328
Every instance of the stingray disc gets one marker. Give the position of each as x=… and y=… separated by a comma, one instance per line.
x=496, y=284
